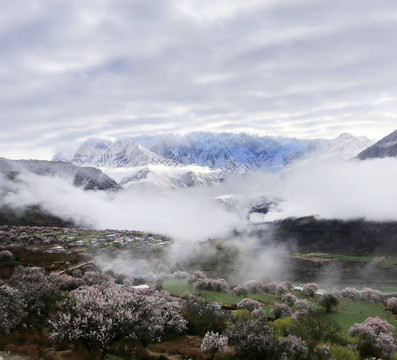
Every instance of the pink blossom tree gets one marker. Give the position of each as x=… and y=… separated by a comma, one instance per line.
x=371, y=295
x=350, y=293
x=392, y=304
x=253, y=286
x=240, y=290
x=12, y=308
x=214, y=343
x=248, y=304
x=377, y=332
x=288, y=299
x=310, y=289
x=280, y=310
x=99, y=316
x=253, y=340
x=34, y=286
x=292, y=348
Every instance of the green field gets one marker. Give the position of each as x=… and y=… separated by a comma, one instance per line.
x=351, y=312
x=179, y=286
x=346, y=314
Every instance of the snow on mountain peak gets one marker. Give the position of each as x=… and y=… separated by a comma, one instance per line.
x=227, y=154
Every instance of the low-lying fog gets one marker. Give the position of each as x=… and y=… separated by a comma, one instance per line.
x=331, y=189
x=327, y=189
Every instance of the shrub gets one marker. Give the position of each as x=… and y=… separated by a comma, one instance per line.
x=242, y=315
x=329, y=301
x=281, y=326
x=339, y=352
x=6, y=255
x=315, y=328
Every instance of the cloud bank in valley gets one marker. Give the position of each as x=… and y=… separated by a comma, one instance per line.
x=327, y=189
x=337, y=190
x=189, y=214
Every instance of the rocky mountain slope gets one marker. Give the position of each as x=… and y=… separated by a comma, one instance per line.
x=386, y=147
x=87, y=178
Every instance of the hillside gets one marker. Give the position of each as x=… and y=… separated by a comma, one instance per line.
x=386, y=147
x=87, y=178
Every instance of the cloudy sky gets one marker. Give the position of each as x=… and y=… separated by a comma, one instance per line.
x=72, y=69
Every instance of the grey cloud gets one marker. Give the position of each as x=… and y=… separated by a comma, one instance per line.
x=296, y=68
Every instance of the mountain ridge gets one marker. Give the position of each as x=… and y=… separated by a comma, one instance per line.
x=88, y=178
x=234, y=152
x=385, y=147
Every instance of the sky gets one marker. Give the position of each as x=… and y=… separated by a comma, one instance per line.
x=72, y=69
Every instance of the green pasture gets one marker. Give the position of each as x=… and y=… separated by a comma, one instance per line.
x=346, y=314
x=351, y=312
x=179, y=286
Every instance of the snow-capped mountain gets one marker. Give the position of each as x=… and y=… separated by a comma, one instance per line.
x=86, y=177
x=386, y=147
x=120, y=153
x=227, y=151
x=216, y=151
x=224, y=154
x=162, y=176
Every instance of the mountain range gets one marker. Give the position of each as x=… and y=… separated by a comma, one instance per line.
x=167, y=159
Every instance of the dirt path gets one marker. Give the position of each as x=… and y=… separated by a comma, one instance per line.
x=74, y=268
